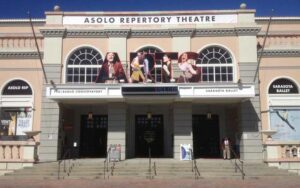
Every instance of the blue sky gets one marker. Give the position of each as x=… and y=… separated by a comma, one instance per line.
x=18, y=8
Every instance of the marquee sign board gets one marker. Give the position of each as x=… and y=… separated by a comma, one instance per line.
x=120, y=91
x=149, y=19
x=283, y=86
x=152, y=90
x=17, y=87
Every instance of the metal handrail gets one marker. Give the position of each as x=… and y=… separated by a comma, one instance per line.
x=66, y=157
x=112, y=168
x=106, y=161
x=236, y=165
x=194, y=165
x=149, y=167
x=154, y=168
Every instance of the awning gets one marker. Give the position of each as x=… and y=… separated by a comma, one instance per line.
x=176, y=92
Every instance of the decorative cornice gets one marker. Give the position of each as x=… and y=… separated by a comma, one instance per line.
x=20, y=35
x=98, y=33
x=279, y=33
x=20, y=55
x=85, y=33
x=53, y=32
x=295, y=18
x=215, y=32
x=34, y=20
x=150, y=33
x=247, y=30
x=280, y=53
x=182, y=32
x=117, y=32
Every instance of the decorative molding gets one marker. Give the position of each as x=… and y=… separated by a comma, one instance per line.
x=53, y=32
x=280, y=68
x=280, y=53
x=20, y=35
x=86, y=33
x=150, y=33
x=295, y=18
x=242, y=31
x=279, y=33
x=215, y=32
x=34, y=20
x=106, y=33
x=20, y=69
x=182, y=32
x=228, y=31
x=117, y=32
x=20, y=55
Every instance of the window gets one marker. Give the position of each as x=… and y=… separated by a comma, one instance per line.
x=15, y=121
x=83, y=65
x=149, y=50
x=286, y=122
x=216, y=63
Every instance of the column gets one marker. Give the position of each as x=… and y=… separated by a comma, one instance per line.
x=117, y=126
x=249, y=113
x=49, y=149
x=182, y=113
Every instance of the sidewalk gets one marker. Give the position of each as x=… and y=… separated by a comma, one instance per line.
x=286, y=182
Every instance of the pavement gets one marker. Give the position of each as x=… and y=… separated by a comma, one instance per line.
x=269, y=182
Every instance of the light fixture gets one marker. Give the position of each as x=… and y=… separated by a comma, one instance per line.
x=208, y=112
x=90, y=116
x=208, y=115
x=149, y=115
x=239, y=81
x=53, y=84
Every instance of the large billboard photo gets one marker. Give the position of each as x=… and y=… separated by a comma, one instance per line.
x=286, y=123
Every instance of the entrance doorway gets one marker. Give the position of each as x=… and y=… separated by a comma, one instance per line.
x=93, y=136
x=206, y=137
x=149, y=132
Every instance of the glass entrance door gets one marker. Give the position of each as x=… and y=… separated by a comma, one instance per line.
x=149, y=133
x=206, y=137
x=93, y=136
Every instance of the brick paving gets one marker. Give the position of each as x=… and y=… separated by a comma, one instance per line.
x=282, y=182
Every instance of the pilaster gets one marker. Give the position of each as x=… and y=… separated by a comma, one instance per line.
x=116, y=126
x=182, y=113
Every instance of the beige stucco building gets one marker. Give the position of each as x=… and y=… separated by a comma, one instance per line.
x=84, y=103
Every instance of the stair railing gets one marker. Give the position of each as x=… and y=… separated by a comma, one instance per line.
x=194, y=165
x=238, y=164
x=154, y=168
x=112, y=168
x=105, y=164
x=149, y=167
x=68, y=163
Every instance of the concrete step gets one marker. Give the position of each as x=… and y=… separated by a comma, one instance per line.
x=165, y=168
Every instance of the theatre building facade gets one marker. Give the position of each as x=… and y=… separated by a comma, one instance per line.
x=139, y=80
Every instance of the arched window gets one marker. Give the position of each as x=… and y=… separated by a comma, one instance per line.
x=83, y=65
x=216, y=63
x=149, y=49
